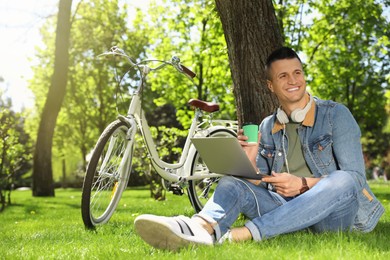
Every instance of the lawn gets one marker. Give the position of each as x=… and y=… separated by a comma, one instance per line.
x=51, y=228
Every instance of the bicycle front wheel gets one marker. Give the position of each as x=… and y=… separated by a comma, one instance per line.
x=107, y=175
x=199, y=191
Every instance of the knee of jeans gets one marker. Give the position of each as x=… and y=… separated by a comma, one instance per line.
x=228, y=182
x=342, y=180
x=230, y=185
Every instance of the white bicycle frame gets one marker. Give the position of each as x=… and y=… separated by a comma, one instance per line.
x=174, y=172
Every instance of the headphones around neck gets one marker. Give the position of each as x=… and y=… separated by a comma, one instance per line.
x=297, y=116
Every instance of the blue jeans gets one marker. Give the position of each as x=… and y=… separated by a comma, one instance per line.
x=330, y=205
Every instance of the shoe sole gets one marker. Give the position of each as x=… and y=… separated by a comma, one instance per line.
x=159, y=235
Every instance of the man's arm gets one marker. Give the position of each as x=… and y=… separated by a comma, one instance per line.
x=250, y=149
x=347, y=148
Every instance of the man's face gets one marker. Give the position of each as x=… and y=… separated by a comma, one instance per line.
x=287, y=81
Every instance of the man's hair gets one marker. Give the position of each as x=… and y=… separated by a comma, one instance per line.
x=280, y=54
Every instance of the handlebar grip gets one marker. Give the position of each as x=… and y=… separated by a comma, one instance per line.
x=187, y=71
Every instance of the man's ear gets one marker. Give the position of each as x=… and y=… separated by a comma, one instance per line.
x=269, y=85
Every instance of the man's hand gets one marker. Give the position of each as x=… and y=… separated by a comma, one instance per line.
x=255, y=182
x=251, y=150
x=285, y=184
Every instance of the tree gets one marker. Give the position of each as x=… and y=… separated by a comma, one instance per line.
x=252, y=33
x=93, y=96
x=293, y=16
x=347, y=46
x=192, y=31
x=15, y=151
x=42, y=167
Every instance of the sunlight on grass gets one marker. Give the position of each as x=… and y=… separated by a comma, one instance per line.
x=51, y=228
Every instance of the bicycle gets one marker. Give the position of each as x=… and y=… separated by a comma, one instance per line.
x=109, y=168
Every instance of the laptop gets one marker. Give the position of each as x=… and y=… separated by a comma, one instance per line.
x=224, y=155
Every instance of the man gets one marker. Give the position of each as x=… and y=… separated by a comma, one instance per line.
x=311, y=150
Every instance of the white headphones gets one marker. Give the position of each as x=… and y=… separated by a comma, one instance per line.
x=298, y=115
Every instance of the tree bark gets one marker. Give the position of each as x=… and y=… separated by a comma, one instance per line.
x=42, y=170
x=252, y=33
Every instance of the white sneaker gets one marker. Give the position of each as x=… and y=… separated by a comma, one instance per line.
x=171, y=233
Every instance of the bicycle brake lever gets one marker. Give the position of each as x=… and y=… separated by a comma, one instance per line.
x=183, y=69
x=187, y=71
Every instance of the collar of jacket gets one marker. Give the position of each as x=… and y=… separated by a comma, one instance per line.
x=308, y=121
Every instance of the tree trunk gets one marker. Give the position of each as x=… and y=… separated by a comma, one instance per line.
x=42, y=169
x=64, y=181
x=252, y=33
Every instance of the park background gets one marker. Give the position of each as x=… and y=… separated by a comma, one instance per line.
x=344, y=44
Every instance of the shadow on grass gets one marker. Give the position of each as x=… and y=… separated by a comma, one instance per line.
x=27, y=208
x=37, y=205
x=383, y=196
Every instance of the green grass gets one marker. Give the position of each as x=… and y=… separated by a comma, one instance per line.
x=51, y=228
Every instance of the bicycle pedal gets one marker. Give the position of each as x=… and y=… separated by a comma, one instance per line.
x=176, y=189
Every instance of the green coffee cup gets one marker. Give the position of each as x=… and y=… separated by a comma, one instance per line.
x=252, y=132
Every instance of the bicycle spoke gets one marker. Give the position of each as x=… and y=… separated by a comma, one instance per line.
x=206, y=189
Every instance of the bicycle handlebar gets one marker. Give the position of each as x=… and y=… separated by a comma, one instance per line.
x=175, y=62
x=188, y=72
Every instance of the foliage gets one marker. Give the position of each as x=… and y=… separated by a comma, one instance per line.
x=169, y=142
x=192, y=31
x=51, y=228
x=292, y=17
x=344, y=44
x=387, y=126
x=347, y=46
x=90, y=103
x=42, y=176
x=15, y=151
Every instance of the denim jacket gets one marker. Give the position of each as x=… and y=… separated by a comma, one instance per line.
x=330, y=139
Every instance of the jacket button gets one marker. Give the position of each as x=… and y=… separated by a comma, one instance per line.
x=279, y=154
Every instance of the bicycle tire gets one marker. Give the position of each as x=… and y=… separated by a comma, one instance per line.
x=107, y=175
x=199, y=191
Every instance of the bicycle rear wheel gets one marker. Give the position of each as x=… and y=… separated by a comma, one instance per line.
x=107, y=174
x=199, y=191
